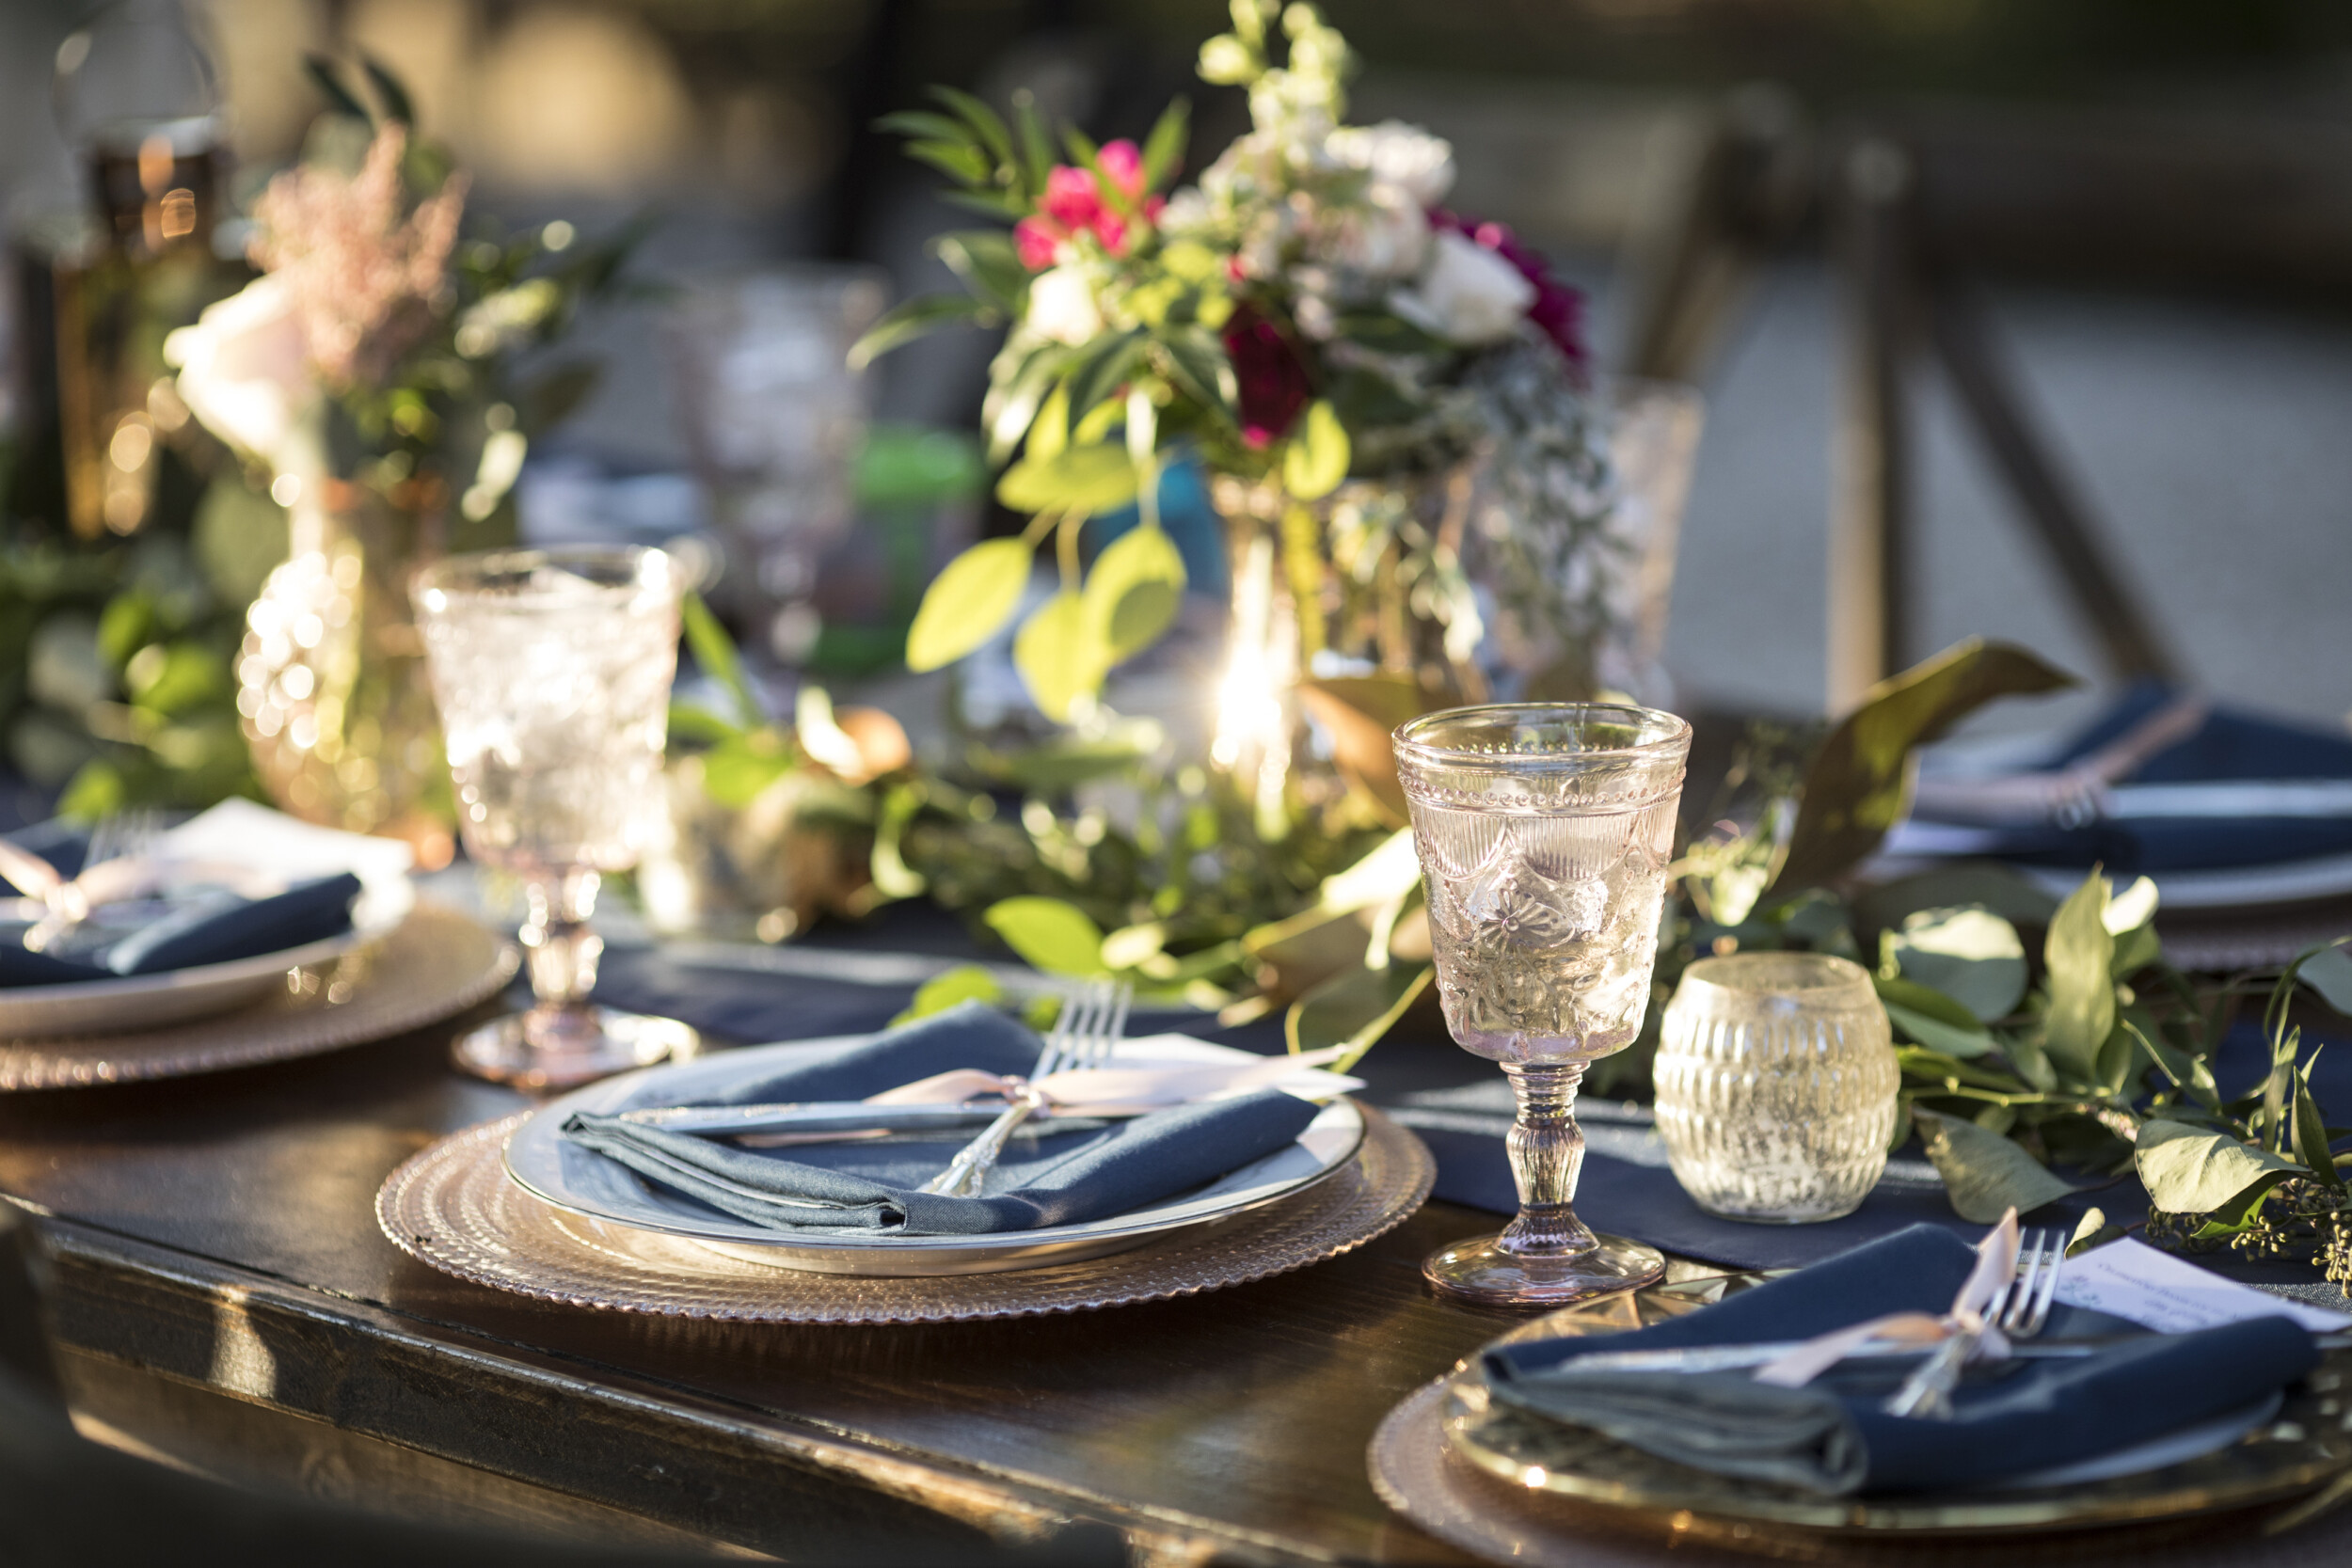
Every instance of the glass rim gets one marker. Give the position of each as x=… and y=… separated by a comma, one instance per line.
x=1723, y=973
x=450, y=574
x=1673, y=736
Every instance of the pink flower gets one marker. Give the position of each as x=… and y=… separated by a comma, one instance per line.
x=365, y=273
x=1073, y=203
x=1557, y=309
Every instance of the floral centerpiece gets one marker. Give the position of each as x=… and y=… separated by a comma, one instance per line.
x=1391, y=398
x=367, y=380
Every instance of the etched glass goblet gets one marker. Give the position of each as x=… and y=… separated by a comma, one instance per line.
x=1543, y=832
x=552, y=671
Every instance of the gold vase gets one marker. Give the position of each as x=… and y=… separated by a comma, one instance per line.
x=332, y=684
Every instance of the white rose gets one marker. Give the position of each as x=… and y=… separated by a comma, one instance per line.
x=1063, y=307
x=1469, y=296
x=1395, y=153
x=1385, y=237
x=245, y=371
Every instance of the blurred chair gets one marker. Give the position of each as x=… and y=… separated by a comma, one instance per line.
x=1910, y=215
x=66, y=1502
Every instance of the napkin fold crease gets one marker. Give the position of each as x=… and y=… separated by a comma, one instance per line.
x=1049, y=1177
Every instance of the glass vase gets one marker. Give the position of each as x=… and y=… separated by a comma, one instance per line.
x=330, y=678
x=1776, y=1085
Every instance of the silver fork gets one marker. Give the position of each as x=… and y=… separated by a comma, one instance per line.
x=1083, y=1031
x=114, y=866
x=2018, y=1309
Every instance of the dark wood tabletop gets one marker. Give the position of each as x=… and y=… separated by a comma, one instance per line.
x=218, y=1233
x=223, y=1297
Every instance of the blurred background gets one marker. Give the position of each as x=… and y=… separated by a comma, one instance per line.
x=2129, y=221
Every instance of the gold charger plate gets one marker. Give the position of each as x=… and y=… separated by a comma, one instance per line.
x=436, y=963
x=455, y=1208
x=1445, y=1459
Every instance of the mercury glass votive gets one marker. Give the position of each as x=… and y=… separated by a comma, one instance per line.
x=1777, y=1083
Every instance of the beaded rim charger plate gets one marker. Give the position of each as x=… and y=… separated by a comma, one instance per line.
x=455, y=1208
x=435, y=963
x=1497, y=1481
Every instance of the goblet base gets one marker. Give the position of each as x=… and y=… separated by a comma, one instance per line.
x=1481, y=1271
x=503, y=1052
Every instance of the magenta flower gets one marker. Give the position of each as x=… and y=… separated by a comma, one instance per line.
x=1073, y=203
x=1558, y=309
x=1268, y=375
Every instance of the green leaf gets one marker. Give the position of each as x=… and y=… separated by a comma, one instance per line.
x=989, y=265
x=1354, y=1008
x=2191, y=1170
x=1134, y=590
x=1316, y=458
x=968, y=603
x=2311, y=1135
x=2328, y=972
x=698, y=726
x=916, y=318
x=2093, y=1231
x=1086, y=479
x=1054, y=936
x=390, y=92
x=1360, y=713
x=1163, y=148
x=1102, y=367
x=1980, y=885
x=958, y=160
x=738, y=769
x=1936, y=1035
x=985, y=122
x=1859, y=782
x=1984, y=1174
x=1060, y=656
x=1924, y=999
x=952, y=989
x=708, y=641
x=1971, y=955
x=328, y=78
x=923, y=124
x=1199, y=365
x=1037, y=148
x=2079, y=954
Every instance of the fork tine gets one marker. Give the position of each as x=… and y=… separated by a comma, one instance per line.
x=2040, y=1312
x=1115, y=1029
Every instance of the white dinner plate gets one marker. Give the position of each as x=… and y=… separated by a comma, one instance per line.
x=178, y=995
x=550, y=1166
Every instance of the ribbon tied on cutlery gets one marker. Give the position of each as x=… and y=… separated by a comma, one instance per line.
x=1996, y=1266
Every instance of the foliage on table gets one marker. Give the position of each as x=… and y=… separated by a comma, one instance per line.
x=1313, y=325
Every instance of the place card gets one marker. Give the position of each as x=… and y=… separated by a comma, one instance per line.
x=2131, y=1279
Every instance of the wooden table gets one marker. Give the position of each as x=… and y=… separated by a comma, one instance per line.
x=224, y=1299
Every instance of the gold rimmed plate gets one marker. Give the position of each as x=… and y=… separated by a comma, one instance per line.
x=2264, y=1456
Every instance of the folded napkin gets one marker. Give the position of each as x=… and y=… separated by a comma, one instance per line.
x=1050, y=1175
x=1832, y=1438
x=2212, y=820
x=203, y=927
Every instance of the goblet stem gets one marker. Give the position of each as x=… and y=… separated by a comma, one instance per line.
x=1547, y=1149
x=562, y=952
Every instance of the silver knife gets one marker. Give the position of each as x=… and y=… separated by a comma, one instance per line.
x=1724, y=1358
x=815, y=1116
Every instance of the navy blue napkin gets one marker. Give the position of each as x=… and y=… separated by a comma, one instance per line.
x=1048, y=1176
x=208, y=928
x=1832, y=1437
x=2232, y=744
x=743, y=1006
